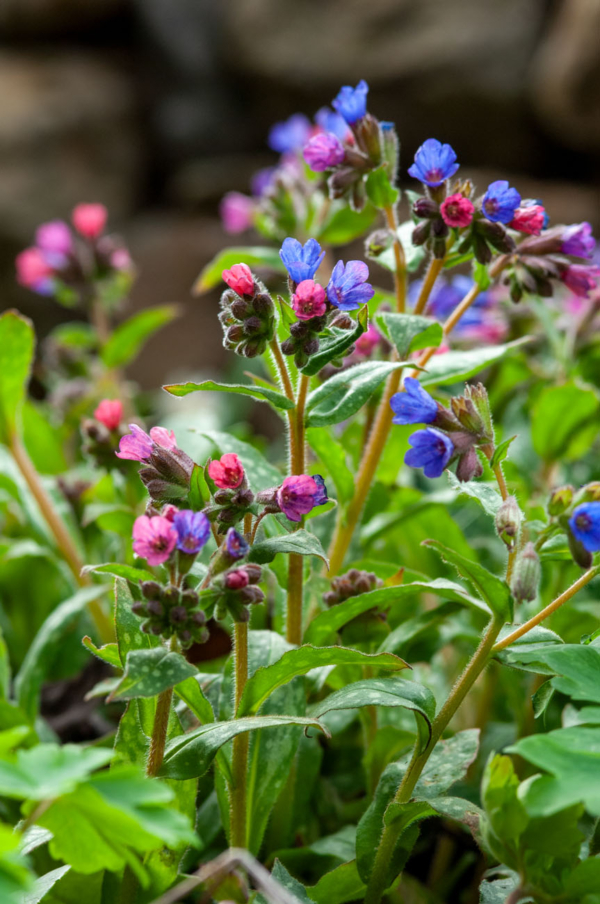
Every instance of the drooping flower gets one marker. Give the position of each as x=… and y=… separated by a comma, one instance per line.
x=351, y=103
x=348, y=287
x=301, y=262
x=434, y=163
x=585, y=525
x=500, y=202
x=109, y=412
x=154, y=539
x=581, y=279
x=235, y=544
x=89, y=219
x=308, y=301
x=193, y=531
x=34, y=271
x=240, y=279
x=227, y=472
x=414, y=405
x=299, y=494
x=432, y=450
x=367, y=343
x=529, y=219
x=236, y=212
x=329, y=121
x=163, y=437
x=138, y=446
x=54, y=237
x=457, y=211
x=236, y=580
x=323, y=152
x=578, y=240
x=290, y=135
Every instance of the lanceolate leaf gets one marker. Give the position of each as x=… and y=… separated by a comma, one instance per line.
x=261, y=394
x=129, y=337
x=254, y=257
x=150, y=672
x=453, y=367
x=333, y=455
x=410, y=332
x=345, y=393
x=17, y=342
x=491, y=589
x=130, y=572
x=191, y=693
x=300, y=542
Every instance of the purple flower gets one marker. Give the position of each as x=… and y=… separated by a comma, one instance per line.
x=500, y=202
x=299, y=494
x=581, y=279
x=414, y=405
x=432, y=450
x=290, y=135
x=578, y=240
x=193, y=530
x=138, y=446
x=351, y=103
x=301, y=262
x=54, y=237
x=329, y=121
x=434, y=163
x=323, y=152
x=237, y=212
x=235, y=544
x=585, y=525
x=154, y=538
x=348, y=287
x=261, y=180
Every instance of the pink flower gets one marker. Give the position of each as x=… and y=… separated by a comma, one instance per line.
x=457, y=211
x=138, y=446
x=240, y=279
x=32, y=268
x=237, y=579
x=163, y=437
x=109, y=412
x=54, y=237
x=323, y=152
x=154, y=539
x=581, y=279
x=169, y=511
x=236, y=212
x=529, y=219
x=228, y=472
x=120, y=259
x=298, y=495
x=309, y=300
x=366, y=343
x=90, y=219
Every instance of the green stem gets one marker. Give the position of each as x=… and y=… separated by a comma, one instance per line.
x=399, y=259
x=378, y=882
x=239, y=764
x=295, y=563
x=161, y=725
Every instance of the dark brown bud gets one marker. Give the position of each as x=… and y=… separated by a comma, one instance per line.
x=178, y=615
x=425, y=208
x=252, y=326
x=468, y=466
x=235, y=333
x=241, y=308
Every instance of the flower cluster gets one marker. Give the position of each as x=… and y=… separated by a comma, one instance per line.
x=247, y=313
x=353, y=583
x=234, y=590
x=168, y=468
x=169, y=611
x=555, y=256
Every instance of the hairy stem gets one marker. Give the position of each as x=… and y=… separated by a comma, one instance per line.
x=399, y=259
x=436, y=265
x=295, y=562
x=239, y=764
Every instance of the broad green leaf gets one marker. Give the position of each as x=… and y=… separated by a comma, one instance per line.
x=487, y=495
x=44, y=441
x=129, y=337
x=15, y=877
x=560, y=416
x=414, y=254
x=346, y=225
x=261, y=474
x=129, y=627
x=343, y=394
x=453, y=367
x=333, y=455
x=192, y=695
x=110, y=516
x=17, y=341
x=410, y=332
x=338, y=886
x=576, y=666
x=117, y=570
x=300, y=661
x=291, y=885
x=336, y=343
x=150, y=672
x=108, y=653
x=300, y=542
x=48, y=770
x=199, y=494
x=46, y=647
x=42, y=886
x=380, y=191
x=495, y=592
x=447, y=764
x=191, y=755
x=254, y=257
x=276, y=399
x=420, y=625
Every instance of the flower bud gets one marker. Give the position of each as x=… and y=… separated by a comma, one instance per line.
x=560, y=500
x=589, y=493
x=526, y=575
x=508, y=522
x=477, y=394
x=241, y=308
x=581, y=556
x=425, y=208
x=254, y=572
x=378, y=242
x=468, y=467
x=421, y=233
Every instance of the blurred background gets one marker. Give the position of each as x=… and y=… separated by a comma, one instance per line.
x=158, y=107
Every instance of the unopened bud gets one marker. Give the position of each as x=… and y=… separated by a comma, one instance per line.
x=580, y=554
x=241, y=308
x=589, y=493
x=560, y=500
x=378, y=242
x=526, y=575
x=151, y=589
x=469, y=467
x=425, y=208
x=421, y=233
x=508, y=521
x=254, y=572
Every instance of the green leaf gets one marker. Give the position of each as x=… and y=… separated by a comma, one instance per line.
x=576, y=666
x=191, y=755
x=498, y=891
x=338, y=886
x=336, y=344
x=108, y=653
x=487, y=495
x=49, y=770
x=192, y=695
x=15, y=877
x=17, y=341
x=129, y=627
x=261, y=474
x=44, y=442
x=199, y=494
x=410, y=332
x=261, y=394
x=46, y=647
x=300, y=661
x=254, y=257
x=559, y=420
x=481, y=276
x=150, y=672
x=129, y=337
x=380, y=191
x=343, y=394
x=346, y=225
x=130, y=572
x=300, y=542
x=43, y=885
x=281, y=876
x=501, y=451
x=492, y=590
x=453, y=367
x=333, y=455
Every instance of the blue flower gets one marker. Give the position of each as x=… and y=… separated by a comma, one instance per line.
x=351, y=103
x=321, y=496
x=434, y=163
x=432, y=450
x=332, y=122
x=193, y=530
x=348, y=287
x=500, y=202
x=301, y=262
x=235, y=544
x=290, y=135
x=414, y=405
x=585, y=525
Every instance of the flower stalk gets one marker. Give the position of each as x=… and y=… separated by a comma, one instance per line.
x=239, y=765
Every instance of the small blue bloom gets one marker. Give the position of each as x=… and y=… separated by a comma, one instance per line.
x=351, y=103
x=193, y=530
x=432, y=450
x=434, y=163
x=500, y=202
x=348, y=287
x=235, y=544
x=301, y=262
x=321, y=496
x=414, y=405
x=585, y=525
x=332, y=122
x=290, y=135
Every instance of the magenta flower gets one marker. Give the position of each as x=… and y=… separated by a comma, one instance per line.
x=227, y=472
x=54, y=237
x=309, y=300
x=299, y=494
x=89, y=219
x=154, y=539
x=367, y=343
x=109, y=412
x=457, y=211
x=237, y=212
x=578, y=240
x=240, y=279
x=323, y=152
x=163, y=437
x=236, y=580
x=529, y=219
x=33, y=270
x=581, y=280
x=138, y=446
